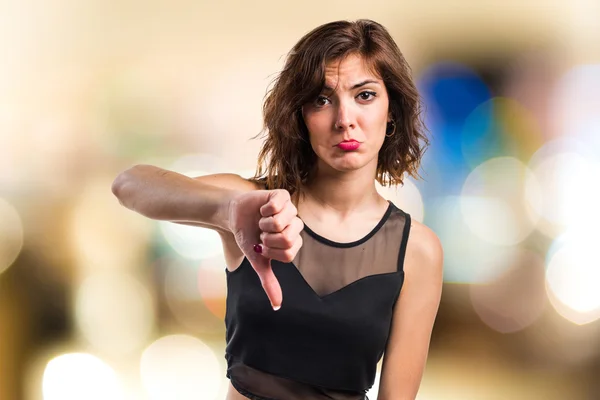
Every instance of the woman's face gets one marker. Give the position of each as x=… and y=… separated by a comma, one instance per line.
x=347, y=121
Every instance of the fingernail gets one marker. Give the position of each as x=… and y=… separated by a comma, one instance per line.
x=275, y=308
x=258, y=248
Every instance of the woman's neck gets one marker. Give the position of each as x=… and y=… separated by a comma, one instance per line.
x=345, y=193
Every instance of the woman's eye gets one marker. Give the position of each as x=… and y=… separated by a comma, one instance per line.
x=321, y=101
x=367, y=95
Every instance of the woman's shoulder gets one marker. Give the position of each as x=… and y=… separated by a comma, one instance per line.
x=424, y=247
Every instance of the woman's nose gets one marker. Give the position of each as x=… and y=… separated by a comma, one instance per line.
x=344, y=118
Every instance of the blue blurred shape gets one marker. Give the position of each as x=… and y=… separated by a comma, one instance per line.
x=450, y=93
x=481, y=135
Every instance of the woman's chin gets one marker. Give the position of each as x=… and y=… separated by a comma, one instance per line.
x=348, y=164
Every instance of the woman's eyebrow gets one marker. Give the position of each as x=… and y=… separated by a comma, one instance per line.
x=355, y=86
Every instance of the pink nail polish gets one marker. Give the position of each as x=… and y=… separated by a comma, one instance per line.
x=258, y=248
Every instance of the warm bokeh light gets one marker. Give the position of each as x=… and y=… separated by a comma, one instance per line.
x=11, y=234
x=191, y=242
x=493, y=201
x=198, y=164
x=406, y=197
x=13, y=150
x=467, y=257
x=572, y=276
x=79, y=376
x=515, y=299
x=566, y=174
x=192, y=292
x=575, y=105
x=212, y=285
x=481, y=373
x=114, y=312
x=248, y=76
x=97, y=245
x=180, y=367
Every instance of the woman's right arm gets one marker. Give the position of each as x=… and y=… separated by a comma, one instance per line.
x=169, y=196
x=263, y=226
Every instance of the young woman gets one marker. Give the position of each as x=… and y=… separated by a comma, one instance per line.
x=324, y=275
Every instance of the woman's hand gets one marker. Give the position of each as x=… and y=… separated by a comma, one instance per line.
x=266, y=226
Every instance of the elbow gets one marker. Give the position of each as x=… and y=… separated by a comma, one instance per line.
x=123, y=182
x=117, y=185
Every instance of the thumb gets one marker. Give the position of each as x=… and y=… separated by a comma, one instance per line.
x=270, y=284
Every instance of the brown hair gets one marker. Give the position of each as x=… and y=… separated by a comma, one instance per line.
x=287, y=159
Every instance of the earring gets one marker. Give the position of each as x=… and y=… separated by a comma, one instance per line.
x=393, y=123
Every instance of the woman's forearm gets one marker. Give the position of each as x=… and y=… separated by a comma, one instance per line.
x=169, y=196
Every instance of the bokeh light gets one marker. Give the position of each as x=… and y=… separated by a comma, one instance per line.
x=180, y=367
x=487, y=373
x=566, y=173
x=212, y=285
x=467, y=257
x=575, y=105
x=191, y=242
x=193, y=293
x=493, y=201
x=560, y=341
x=198, y=164
x=114, y=312
x=572, y=276
x=13, y=151
x=96, y=243
x=79, y=376
x=515, y=299
x=134, y=115
x=227, y=131
x=450, y=91
x=499, y=127
x=406, y=197
x=529, y=81
x=11, y=234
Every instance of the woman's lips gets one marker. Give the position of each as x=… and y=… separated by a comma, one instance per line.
x=348, y=145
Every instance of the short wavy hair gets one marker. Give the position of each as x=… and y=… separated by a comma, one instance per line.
x=286, y=159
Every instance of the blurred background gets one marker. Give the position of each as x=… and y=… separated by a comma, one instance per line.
x=97, y=302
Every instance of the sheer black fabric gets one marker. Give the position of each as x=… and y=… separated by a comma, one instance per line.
x=326, y=340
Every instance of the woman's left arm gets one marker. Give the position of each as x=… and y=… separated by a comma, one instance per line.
x=414, y=316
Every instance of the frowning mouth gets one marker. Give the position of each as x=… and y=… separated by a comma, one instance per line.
x=348, y=145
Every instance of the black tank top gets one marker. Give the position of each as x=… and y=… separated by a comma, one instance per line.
x=334, y=323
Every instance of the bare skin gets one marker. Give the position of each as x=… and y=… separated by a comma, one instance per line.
x=341, y=203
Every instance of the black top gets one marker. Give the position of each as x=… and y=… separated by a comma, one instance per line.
x=333, y=326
